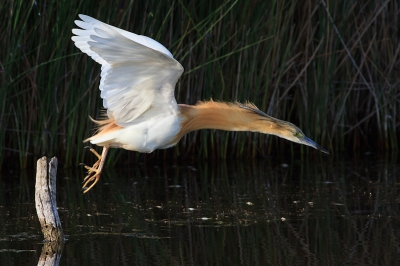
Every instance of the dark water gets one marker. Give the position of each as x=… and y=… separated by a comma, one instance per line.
x=299, y=211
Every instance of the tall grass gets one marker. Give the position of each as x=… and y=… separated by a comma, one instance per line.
x=331, y=67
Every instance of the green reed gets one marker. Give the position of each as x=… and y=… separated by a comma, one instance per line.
x=331, y=67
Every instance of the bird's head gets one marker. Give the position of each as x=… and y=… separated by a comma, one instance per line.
x=269, y=125
x=293, y=133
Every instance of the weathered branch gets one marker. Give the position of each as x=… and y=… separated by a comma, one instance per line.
x=46, y=208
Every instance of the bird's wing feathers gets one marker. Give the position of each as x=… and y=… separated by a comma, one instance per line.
x=138, y=75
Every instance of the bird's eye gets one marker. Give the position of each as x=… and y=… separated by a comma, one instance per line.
x=298, y=134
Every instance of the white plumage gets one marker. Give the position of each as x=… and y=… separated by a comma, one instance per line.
x=138, y=77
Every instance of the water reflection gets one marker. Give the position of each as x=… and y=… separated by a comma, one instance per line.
x=264, y=212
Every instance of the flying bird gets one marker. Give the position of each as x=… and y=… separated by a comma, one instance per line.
x=138, y=78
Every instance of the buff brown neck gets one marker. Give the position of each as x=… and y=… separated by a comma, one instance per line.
x=228, y=116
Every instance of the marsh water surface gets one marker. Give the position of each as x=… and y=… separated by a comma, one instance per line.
x=299, y=211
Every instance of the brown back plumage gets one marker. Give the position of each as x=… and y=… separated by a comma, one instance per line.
x=228, y=116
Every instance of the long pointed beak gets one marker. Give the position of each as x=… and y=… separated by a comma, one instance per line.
x=309, y=142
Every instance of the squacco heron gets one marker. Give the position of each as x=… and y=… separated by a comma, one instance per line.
x=138, y=77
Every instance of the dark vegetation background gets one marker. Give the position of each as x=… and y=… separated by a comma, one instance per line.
x=330, y=67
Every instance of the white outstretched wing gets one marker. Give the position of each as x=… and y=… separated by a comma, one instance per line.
x=138, y=74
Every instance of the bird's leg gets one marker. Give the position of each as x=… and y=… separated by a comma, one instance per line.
x=94, y=172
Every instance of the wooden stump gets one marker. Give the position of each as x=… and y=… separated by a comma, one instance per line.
x=46, y=208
